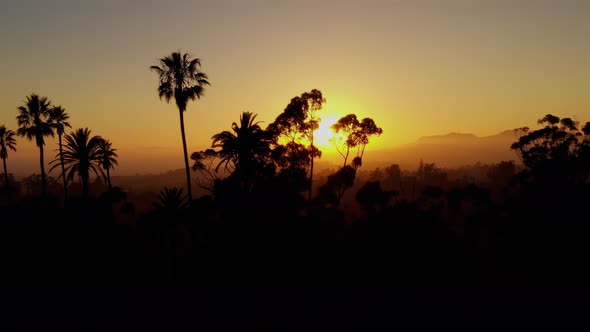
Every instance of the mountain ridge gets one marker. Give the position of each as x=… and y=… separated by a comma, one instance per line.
x=448, y=150
x=457, y=136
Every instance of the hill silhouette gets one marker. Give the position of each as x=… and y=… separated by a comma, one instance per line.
x=448, y=150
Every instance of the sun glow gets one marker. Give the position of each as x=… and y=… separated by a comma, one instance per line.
x=324, y=133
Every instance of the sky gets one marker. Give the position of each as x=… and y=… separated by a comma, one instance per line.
x=416, y=67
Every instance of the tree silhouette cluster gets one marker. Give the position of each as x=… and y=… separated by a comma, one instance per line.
x=262, y=222
x=79, y=152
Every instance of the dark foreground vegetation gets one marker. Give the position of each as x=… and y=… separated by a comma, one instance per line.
x=271, y=244
x=257, y=250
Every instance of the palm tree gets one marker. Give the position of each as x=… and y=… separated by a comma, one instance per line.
x=59, y=120
x=7, y=141
x=33, y=124
x=247, y=147
x=108, y=159
x=180, y=78
x=81, y=154
x=170, y=198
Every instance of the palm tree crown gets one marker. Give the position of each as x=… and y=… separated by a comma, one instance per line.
x=7, y=141
x=108, y=159
x=180, y=78
x=33, y=122
x=33, y=119
x=246, y=147
x=170, y=198
x=59, y=120
x=81, y=155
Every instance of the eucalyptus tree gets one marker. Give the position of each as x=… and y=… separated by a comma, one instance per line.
x=297, y=125
x=559, y=151
x=354, y=134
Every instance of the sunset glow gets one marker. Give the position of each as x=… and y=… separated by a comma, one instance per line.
x=324, y=133
x=417, y=68
x=434, y=153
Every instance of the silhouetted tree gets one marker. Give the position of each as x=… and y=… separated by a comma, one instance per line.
x=59, y=120
x=7, y=141
x=343, y=142
x=292, y=161
x=81, y=155
x=33, y=184
x=170, y=198
x=557, y=140
x=501, y=173
x=180, y=78
x=33, y=122
x=394, y=176
x=108, y=159
x=430, y=175
x=205, y=164
x=338, y=183
x=297, y=124
x=372, y=198
x=376, y=174
x=246, y=148
x=352, y=133
x=557, y=149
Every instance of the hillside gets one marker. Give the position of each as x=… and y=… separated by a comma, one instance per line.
x=449, y=150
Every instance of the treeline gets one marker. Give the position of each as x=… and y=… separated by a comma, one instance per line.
x=269, y=220
x=79, y=152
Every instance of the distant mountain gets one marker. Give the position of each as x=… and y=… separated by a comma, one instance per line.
x=450, y=138
x=458, y=138
x=448, y=150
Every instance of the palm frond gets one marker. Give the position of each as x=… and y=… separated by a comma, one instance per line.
x=180, y=78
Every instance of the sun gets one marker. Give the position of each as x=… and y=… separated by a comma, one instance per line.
x=324, y=133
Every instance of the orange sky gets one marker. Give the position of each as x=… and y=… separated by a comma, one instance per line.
x=416, y=67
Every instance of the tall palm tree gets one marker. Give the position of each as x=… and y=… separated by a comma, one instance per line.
x=33, y=124
x=108, y=159
x=81, y=154
x=59, y=120
x=7, y=141
x=180, y=78
x=246, y=147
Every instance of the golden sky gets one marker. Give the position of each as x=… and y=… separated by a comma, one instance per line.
x=416, y=67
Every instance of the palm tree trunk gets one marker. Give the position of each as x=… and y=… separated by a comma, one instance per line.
x=109, y=179
x=84, y=187
x=5, y=172
x=311, y=171
x=346, y=157
x=414, y=188
x=186, y=166
x=63, y=169
x=43, y=179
